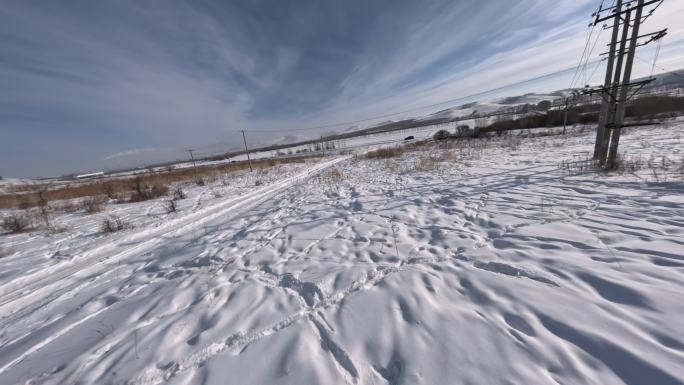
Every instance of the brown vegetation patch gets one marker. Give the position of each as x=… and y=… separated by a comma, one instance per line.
x=147, y=185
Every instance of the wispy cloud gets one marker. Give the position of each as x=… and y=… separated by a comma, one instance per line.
x=87, y=79
x=134, y=152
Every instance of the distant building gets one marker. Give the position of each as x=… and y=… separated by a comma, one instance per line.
x=92, y=175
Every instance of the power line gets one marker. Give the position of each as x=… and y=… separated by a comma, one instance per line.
x=584, y=52
x=575, y=76
x=598, y=63
x=660, y=67
x=655, y=57
x=593, y=47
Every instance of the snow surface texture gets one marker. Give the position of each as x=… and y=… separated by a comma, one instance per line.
x=495, y=267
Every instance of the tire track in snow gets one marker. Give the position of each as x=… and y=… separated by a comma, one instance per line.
x=176, y=227
x=104, y=266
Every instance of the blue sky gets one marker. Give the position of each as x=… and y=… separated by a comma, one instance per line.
x=91, y=85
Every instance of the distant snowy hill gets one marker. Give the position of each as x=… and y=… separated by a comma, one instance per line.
x=486, y=106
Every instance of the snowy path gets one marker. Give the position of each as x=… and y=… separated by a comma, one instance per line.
x=501, y=269
x=99, y=269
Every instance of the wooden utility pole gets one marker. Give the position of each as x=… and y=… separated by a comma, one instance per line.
x=194, y=164
x=569, y=101
x=192, y=158
x=246, y=150
x=617, y=84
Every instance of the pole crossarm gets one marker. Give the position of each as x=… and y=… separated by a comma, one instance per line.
x=655, y=36
x=643, y=18
x=613, y=14
x=607, y=90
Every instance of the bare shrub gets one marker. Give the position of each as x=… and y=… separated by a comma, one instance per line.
x=44, y=212
x=120, y=197
x=16, y=223
x=143, y=191
x=92, y=205
x=159, y=191
x=441, y=135
x=177, y=193
x=384, y=153
x=44, y=208
x=108, y=189
x=259, y=182
x=171, y=206
x=68, y=206
x=632, y=164
x=113, y=224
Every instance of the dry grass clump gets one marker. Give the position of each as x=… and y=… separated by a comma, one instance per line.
x=113, y=224
x=142, y=191
x=334, y=176
x=384, y=153
x=661, y=169
x=68, y=206
x=92, y=205
x=447, y=156
x=392, y=166
x=427, y=163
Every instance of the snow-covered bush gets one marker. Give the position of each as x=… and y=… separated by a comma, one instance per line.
x=113, y=224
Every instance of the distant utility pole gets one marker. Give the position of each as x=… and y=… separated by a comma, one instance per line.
x=246, y=150
x=194, y=164
x=570, y=100
x=617, y=84
x=323, y=145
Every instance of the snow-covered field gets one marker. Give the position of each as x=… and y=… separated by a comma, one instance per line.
x=484, y=264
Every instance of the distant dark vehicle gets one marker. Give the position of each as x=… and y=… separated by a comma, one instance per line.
x=441, y=135
x=410, y=137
